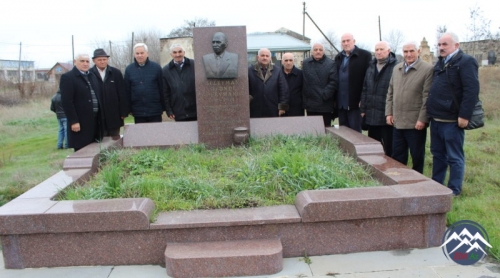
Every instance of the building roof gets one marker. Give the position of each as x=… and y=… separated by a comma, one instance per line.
x=275, y=42
x=13, y=64
x=66, y=66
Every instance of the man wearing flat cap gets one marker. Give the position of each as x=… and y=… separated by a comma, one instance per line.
x=115, y=104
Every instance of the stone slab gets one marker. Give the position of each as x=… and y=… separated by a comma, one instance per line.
x=147, y=247
x=347, y=204
x=426, y=197
x=53, y=185
x=226, y=217
x=99, y=215
x=165, y=134
x=354, y=142
x=88, y=156
x=392, y=169
x=311, y=125
x=24, y=216
x=222, y=103
x=224, y=258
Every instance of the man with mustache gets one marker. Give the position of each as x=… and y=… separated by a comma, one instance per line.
x=452, y=97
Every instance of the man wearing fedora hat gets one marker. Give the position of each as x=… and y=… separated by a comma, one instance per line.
x=115, y=104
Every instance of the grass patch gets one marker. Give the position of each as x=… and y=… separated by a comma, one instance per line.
x=269, y=171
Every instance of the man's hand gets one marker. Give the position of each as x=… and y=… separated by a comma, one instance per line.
x=389, y=120
x=281, y=112
x=419, y=125
x=172, y=117
x=75, y=127
x=462, y=123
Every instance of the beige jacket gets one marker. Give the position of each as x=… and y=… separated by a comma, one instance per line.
x=407, y=94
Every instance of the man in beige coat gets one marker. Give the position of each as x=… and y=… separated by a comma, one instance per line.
x=405, y=106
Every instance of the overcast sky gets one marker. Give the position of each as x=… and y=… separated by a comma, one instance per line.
x=45, y=27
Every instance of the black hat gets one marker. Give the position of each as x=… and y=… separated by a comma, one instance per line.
x=100, y=53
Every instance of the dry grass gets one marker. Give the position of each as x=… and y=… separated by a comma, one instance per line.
x=489, y=78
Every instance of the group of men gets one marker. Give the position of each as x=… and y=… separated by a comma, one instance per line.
x=399, y=101
x=97, y=100
x=393, y=101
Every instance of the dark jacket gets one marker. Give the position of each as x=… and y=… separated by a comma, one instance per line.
x=77, y=103
x=56, y=105
x=144, y=89
x=180, y=90
x=269, y=94
x=115, y=104
x=320, y=83
x=375, y=91
x=358, y=64
x=458, y=77
x=295, y=80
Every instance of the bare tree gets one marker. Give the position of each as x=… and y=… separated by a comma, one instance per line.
x=440, y=30
x=478, y=29
x=395, y=38
x=479, y=26
x=121, y=52
x=186, y=30
x=330, y=51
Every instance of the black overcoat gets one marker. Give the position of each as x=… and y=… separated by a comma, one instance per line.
x=115, y=104
x=77, y=104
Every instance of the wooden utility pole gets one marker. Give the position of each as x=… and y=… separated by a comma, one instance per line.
x=379, y=29
x=304, y=22
x=132, y=49
x=72, y=49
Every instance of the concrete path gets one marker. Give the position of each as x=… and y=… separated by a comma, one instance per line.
x=428, y=263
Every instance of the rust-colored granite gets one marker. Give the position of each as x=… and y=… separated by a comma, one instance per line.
x=226, y=217
x=222, y=104
x=224, y=258
x=355, y=143
x=311, y=125
x=409, y=212
x=88, y=157
x=165, y=134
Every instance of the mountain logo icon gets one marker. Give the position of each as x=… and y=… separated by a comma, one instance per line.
x=465, y=242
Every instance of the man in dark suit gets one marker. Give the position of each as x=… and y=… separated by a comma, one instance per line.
x=115, y=104
x=351, y=64
x=221, y=63
x=294, y=78
x=82, y=99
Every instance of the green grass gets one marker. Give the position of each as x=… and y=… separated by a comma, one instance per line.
x=269, y=171
x=28, y=156
x=28, y=153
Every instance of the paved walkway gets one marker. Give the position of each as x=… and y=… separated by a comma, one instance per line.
x=428, y=263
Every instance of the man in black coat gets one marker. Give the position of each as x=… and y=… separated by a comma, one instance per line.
x=82, y=99
x=115, y=104
x=294, y=80
x=144, y=87
x=319, y=84
x=373, y=98
x=267, y=87
x=179, y=86
x=352, y=64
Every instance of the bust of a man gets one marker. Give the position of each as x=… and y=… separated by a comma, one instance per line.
x=221, y=63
